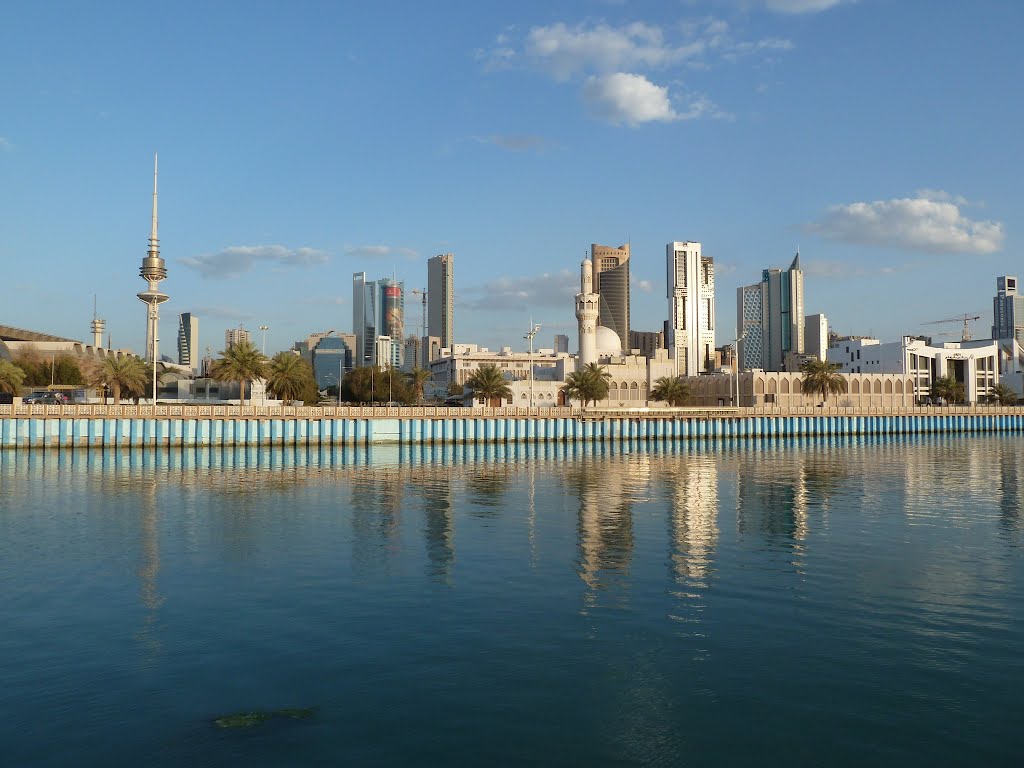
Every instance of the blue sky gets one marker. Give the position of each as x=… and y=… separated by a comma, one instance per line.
x=302, y=142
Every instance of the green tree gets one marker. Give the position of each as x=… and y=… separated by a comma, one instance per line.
x=11, y=377
x=823, y=377
x=455, y=389
x=373, y=384
x=126, y=373
x=417, y=379
x=672, y=390
x=589, y=384
x=948, y=389
x=289, y=377
x=488, y=384
x=240, y=362
x=1004, y=394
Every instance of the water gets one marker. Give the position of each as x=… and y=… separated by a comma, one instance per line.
x=805, y=603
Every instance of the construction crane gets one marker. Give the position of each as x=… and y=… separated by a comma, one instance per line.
x=965, y=319
x=419, y=337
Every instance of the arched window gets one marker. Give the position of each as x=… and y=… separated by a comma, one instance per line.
x=613, y=391
x=773, y=387
x=899, y=386
x=855, y=387
x=759, y=387
x=785, y=387
x=878, y=387
x=888, y=387
x=798, y=385
x=634, y=391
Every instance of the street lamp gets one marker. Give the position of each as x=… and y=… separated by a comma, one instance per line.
x=264, y=328
x=736, y=363
x=534, y=330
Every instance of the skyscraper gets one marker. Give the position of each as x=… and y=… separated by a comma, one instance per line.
x=392, y=320
x=690, y=286
x=237, y=335
x=1007, y=310
x=188, y=340
x=440, y=298
x=611, y=281
x=770, y=318
x=364, y=318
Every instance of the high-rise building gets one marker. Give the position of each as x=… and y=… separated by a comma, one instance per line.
x=237, y=335
x=332, y=357
x=1007, y=310
x=816, y=336
x=691, y=308
x=188, y=341
x=440, y=298
x=364, y=318
x=611, y=281
x=770, y=318
x=392, y=320
x=561, y=343
x=647, y=342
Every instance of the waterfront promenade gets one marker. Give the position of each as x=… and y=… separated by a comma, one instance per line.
x=70, y=426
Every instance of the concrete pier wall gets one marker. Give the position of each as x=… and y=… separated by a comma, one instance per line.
x=88, y=428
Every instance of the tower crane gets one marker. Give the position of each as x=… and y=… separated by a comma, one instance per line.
x=421, y=363
x=965, y=319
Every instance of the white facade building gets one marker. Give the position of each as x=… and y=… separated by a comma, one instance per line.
x=690, y=287
x=975, y=364
x=816, y=336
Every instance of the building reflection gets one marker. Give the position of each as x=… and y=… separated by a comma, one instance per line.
x=437, y=499
x=149, y=570
x=693, y=518
x=604, y=524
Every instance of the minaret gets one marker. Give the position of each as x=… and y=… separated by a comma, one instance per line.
x=587, y=310
x=97, y=326
x=153, y=271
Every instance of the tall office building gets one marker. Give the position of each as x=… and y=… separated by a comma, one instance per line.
x=691, y=308
x=611, y=282
x=440, y=299
x=237, y=335
x=188, y=341
x=1007, y=310
x=364, y=318
x=816, y=336
x=770, y=318
x=561, y=343
x=392, y=320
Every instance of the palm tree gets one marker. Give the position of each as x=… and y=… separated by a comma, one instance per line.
x=1004, y=394
x=948, y=389
x=822, y=376
x=671, y=389
x=126, y=373
x=11, y=377
x=589, y=384
x=289, y=377
x=240, y=362
x=418, y=378
x=488, y=384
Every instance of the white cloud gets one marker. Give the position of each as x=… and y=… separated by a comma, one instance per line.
x=626, y=98
x=921, y=223
x=565, y=51
x=5, y=145
x=644, y=286
x=238, y=259
x=521, y=293
x=803, y=6
x=380, y=251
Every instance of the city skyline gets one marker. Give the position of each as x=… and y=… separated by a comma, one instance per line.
x=746, y=126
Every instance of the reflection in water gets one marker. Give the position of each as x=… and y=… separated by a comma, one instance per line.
x=605, y=523
x=149, y=570
x=1009, y=489
x=376, y=503
x=694, y=519
x=437, y=500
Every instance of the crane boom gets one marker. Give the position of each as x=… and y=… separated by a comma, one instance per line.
x=964, y=318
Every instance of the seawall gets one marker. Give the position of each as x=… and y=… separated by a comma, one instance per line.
x=31, y=427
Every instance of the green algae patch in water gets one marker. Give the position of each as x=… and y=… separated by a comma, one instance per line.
x=249, y=719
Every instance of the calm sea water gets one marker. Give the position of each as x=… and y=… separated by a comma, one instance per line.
x=856, y=602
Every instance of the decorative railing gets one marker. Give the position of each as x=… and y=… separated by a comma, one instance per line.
x=437, y=412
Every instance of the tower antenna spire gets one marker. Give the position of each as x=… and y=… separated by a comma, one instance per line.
x=154, y=243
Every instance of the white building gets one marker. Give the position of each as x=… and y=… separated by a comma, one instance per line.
x=237, y=335
x=816, y=336
x=690, y=287
x=975, y=364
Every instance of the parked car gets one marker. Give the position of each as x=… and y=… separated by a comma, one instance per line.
x=46, y=398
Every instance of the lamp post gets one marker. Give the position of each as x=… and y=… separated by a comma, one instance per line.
x=736, y=364
x=534, y=330
x=264, y=328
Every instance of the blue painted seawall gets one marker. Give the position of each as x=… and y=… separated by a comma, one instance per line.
x=131, y=432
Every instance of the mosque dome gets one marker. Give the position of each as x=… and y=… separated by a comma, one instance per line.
x=608, y=341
